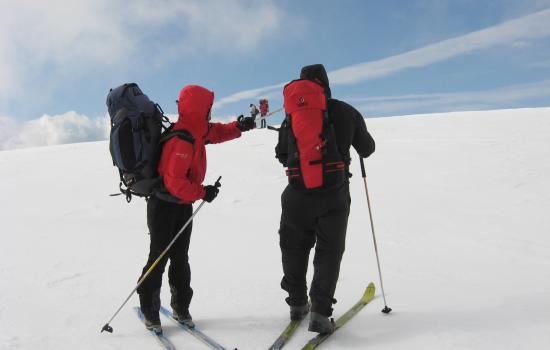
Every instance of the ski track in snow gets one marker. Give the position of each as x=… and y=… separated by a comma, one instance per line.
x=460, y=204
x=64, y=279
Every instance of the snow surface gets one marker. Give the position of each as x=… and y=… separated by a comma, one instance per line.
x=461, y=206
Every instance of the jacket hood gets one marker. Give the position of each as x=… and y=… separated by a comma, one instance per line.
x=316, y=72
x=194, y=104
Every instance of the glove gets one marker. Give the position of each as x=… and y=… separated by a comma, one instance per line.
x=211, y=193
x=245, y=124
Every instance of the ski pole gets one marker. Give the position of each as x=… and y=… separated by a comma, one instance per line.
x=273, y=112
x=386, y=309
x=107, y=327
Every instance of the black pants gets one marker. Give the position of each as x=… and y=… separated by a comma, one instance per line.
x=263, y=123
x=164, y=220
x=308, y=218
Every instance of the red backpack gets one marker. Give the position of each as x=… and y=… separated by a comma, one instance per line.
x=307, y=142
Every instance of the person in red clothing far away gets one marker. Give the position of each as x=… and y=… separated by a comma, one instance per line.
x=264, y=110
x=182, y=168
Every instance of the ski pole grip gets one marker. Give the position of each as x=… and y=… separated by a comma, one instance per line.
x=217, y=183
x=363, y=172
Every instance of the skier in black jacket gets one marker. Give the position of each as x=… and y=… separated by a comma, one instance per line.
x=319, y=216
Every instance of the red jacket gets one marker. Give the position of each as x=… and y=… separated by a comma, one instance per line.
x=182, y=164
x=264, y=107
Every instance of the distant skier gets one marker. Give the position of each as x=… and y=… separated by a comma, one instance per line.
x=264, y=110
x=182, y=168
x=254, y=112
x=316, y=203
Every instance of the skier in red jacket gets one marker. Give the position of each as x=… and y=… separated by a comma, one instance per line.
x=264, y=110
x=182, y=168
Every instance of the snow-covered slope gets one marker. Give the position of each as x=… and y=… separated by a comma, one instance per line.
x=461, y=205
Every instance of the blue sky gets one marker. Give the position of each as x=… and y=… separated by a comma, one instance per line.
x=59, y=58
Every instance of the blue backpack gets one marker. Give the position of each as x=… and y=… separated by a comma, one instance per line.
x=137, y=135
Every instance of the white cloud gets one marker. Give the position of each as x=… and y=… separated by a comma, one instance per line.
x=68, y=38
x=231, y=24
x=69, y=127
x=443, y=102
x=515, y=32
x=247, y=94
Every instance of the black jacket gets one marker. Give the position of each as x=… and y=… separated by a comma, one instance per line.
x=350, y=129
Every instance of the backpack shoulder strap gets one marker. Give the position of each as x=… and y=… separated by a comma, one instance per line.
x=181, y=134
x=185, y=135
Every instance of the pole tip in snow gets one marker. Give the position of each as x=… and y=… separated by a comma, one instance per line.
x=386, y=310
x=107, y=328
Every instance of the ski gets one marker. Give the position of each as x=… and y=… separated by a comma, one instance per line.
x=162, y=340
x=211, y=343
x=365, y=299
x=285, y=335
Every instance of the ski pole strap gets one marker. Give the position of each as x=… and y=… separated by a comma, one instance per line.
x=363, y=172
x=125, y=191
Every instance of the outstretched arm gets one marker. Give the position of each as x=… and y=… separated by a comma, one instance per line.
x=219, y=132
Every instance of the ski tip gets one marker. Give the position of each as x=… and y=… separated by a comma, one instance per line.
x=369, y=293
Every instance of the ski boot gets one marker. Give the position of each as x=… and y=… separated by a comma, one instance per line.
x=298, y=313
x=184, y=318
x=152, y=322
x=320, y=324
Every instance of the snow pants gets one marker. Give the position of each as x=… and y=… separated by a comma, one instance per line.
x=309, y=219
x=164, y=220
